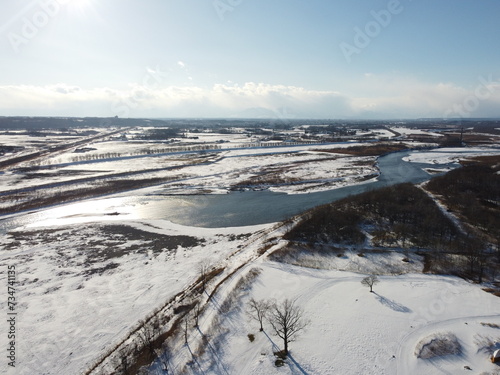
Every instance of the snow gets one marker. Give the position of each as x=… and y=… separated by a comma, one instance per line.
x=201, y=173
x=352, y=331
x=69, y=319
x=449, y=155
x=379, y=263
x=410, y=131
x=69, y=316
x=378, y=133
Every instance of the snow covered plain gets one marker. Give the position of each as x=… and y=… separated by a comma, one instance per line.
x=82, y=288
x=75, y=302
x=351, y=331
x=286, y=169
x=450, y=155
x=413, y=131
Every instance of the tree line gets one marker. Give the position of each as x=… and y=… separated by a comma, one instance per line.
x=400, y=216
x=406, y=217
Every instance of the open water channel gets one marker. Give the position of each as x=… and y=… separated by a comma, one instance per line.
x=217, y=210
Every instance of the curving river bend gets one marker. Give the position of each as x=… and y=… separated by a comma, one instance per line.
x=219, y=210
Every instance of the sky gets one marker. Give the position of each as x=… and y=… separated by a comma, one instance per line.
x=331, y=59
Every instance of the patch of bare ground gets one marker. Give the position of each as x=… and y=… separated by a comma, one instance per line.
x=491, y=325
x=424, y=138
x=495, y=290
x=474, y=139
x=369, y=150
x=492, y=160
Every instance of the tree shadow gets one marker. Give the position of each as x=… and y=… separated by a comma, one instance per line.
x=216, y=358
x=165, y=360
x=290, y=357
x=195, y=361
x=393, y=305
x=299, y=367
x=275, y=347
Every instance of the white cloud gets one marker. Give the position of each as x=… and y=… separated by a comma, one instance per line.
x=384, y=98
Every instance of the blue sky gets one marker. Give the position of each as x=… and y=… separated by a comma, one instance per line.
x=250, y=58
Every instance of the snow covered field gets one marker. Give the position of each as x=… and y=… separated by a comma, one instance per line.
x=292, y=169
x=352, y=331
x=75, y=302
x=412, y=131
x=450, y=155
x=82, y=288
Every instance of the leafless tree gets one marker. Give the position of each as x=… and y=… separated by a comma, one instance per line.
x=287, y=320
x=147, y=336
x=197, y=312
x=370, y=281
x=163, y=355
x=477, y=259
x=148, y=333
x=203, y=270
x=482, y=263
x=185, y=329
x=258, y=310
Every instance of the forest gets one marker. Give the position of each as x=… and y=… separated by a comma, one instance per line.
x=473, y=192
x=461, y=239
x=397, y=216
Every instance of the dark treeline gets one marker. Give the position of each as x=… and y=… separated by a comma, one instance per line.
x=371, y=150
x=401, y=216
x=160, y=134
x=337, y=125
x=473, y=191
x=21, y=122
x=405, y=216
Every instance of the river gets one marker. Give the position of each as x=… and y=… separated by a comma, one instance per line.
x=218, y=210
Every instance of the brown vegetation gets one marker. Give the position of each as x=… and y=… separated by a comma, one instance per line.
x=371, y=150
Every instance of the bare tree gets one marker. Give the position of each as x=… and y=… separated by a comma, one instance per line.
x=185, y=330
x=197, y=312
x=370, y=281
x=477, y=259
x=482, y=263
x=203, y=270
x=258, y=310
x=147, y=335
x=164, y=355
x=287, y=321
